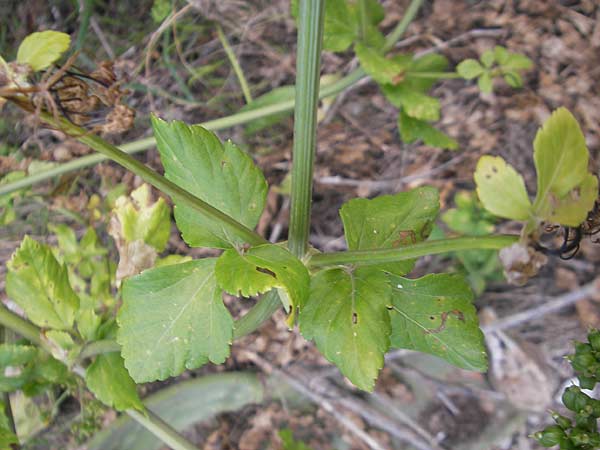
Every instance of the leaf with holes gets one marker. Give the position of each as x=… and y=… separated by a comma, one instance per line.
x=434, y=314
x=41, y=49
x=501, y=189
x=561, y=160
x=40, y=285
x=108, y=379
x=173, y=318
x=260, y=269
x=346, y=315
x=220, y=174
x=390, y=221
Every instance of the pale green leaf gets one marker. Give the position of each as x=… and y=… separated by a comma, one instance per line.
x=573, y=208
x=141, y=219
x=469, y=69
x=375, y=12
x=173, y=318
x=561, y=158
x=390, y=221
x=412, y=129
x=517, y=61
x=260, y=269
x=16, y=355
x=108, y=379
x=383, y=70
x=431, y=62
x=488, y=58
x=347, y=317
x=41, y=49
x=221, y=175
x=434, y=314
x=501, y=55
x=513, y=79
x=160, y=10
x=340, y=26
x=485, y=83
x=501, y=189
x=40, y=286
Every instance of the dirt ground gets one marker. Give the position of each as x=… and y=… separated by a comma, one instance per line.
x=419, y=401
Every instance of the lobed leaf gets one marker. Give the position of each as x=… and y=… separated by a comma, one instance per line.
x=261, y=269
x=40, y=286
x=434, y=314
x=43, y=48
x=108, y=379
x=221, y=175
x=390, y=221
x=501, y=189
x=173, y=318
x=340, y=26
x=412, y=129
x=383, y=70
x=572, y=209
x=469, y=69
x=346, y=315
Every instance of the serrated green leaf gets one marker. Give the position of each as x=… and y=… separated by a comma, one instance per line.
x=434, y=314
x=108, y=379
x=383, y=70
x=561, y=160
x=340, y=26
x=412, y=129
x=277, y=95
x=221, y=175
x=485, y=83
x=414, y=103
x=41, y=49
x=347, y=317
x=501, y=189
x=517, y=61
x=390, y=221
x=572, y=209
x=260, y=269
x=469, y=69
x=140, y=219
x=40, y=286
x=173, y=318
x=488, y=58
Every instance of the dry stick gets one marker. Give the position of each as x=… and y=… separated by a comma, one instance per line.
x=344, y=420
x=102, y=38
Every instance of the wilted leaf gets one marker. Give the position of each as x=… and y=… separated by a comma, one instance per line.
x=347, y=317
x=40, y=285
x=173, y=318
x=41, y=49
x=434, y=314
x=501, y=189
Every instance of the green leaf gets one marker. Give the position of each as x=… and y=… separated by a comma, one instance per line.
x=432, y=62
x=221, y=175
x=140, y=219
x=383, y=70
x=501, y=55
x=516, y=61
x=160, y=10
x=41, y=49
x=513, y=79
x=390, y=221
x=340, y=26
x=501, y=189
x=108, y=379
x=375, y=12
x=347, y=317
x=40, y=286
x=434, y=314
x=412, y=129
x=289, y=443
x=469, y=69
x=414, y=103
x=260, y=269
x=561, y=159
x=277, y=95
x=572, y=210
x=488, y=58
x=7, y=437
x=485, y=83
x=173, y=318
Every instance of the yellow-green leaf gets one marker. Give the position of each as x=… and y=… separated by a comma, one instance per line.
x=573, y=208
x=501, y=189
x=41, y=49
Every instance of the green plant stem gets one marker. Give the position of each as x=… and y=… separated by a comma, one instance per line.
x=98, y=348
x=234, y=64
x=147, y=419
x=308, y=64
x=367, y=257
x=8, y=413
x=216, y=124
x=264, y=309
x=433, y=75
x=363, y=18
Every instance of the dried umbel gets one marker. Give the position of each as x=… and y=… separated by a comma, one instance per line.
x=521, y=262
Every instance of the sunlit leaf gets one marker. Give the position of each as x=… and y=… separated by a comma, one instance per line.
x=382, y=69
x=572, y=210
x=173, y=318
x=41, y=49
x=434, y=314
x=501, y=189
x=347, y=317
x=469, y=69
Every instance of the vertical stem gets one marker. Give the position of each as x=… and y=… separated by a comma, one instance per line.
x=407, y=18
x=6, y=400
x=310, y=37
x=363, y=19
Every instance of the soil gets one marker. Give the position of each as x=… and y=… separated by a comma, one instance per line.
x=359, y=154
